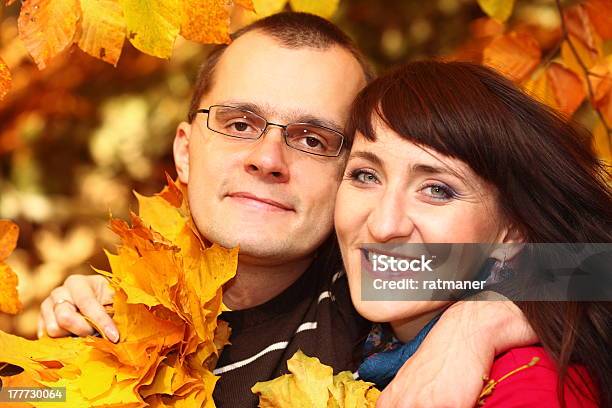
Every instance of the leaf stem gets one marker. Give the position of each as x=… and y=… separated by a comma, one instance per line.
x=587, y=73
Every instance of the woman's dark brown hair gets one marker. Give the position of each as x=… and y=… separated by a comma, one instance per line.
x=551, y=186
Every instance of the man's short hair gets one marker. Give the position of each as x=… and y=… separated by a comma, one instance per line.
x=291, y=30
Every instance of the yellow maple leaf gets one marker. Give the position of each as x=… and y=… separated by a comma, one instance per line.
x=162, y=382
x=538, y=87
x=9, y=299
x=311, y=384
x=47, y=27
x=39, y=357
x=161, y=216
x=102, y=29
x=323, y=8
x=246, y=4
x=265, y=8
x=570, y=60
x=9, y=231
x=99, y=27
x=5, y=79
x=348, y=393
x=500, y=10
x=167, y=300
x=602, y=143
x=152, y=25
x=206, y=22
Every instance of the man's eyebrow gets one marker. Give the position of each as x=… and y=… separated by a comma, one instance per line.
x=291, y=116
x=369, y=156
x=245, y=106
x=313, y=120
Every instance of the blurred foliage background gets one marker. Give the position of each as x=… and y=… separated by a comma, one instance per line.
x=77, y=137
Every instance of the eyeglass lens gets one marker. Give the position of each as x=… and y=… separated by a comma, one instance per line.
x=243, y=124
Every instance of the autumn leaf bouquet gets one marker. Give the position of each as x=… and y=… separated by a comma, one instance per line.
x=168, y=296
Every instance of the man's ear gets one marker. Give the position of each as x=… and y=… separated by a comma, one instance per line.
x=181, y=151
x=513, y=240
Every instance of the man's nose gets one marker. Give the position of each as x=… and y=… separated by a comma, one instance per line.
x=267, y=158
x=390, y=220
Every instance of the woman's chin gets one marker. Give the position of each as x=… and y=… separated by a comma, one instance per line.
x=399, y=311
x=384, y=311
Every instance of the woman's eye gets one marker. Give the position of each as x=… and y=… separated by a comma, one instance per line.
x=362, y=176
x=439, y=191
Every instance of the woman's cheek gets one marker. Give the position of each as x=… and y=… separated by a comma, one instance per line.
x=461, y=223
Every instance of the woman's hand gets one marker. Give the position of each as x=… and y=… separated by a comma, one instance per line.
x=448, y=368
x=65, y=310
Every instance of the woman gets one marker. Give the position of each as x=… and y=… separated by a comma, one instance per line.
x=454, y=153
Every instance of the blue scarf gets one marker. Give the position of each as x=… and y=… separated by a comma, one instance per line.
x=385, y=354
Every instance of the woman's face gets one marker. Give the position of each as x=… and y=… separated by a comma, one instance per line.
x=395, y=191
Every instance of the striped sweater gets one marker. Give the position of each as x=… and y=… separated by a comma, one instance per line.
x=314, y=314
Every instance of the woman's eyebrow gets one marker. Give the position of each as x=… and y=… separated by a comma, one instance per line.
x=415, y=168
x=369, y=156
x=431, y=169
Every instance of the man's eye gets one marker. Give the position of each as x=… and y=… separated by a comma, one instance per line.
x=313, y=142
x=240, y=126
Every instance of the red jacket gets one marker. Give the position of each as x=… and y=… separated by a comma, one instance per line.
x=535, y=386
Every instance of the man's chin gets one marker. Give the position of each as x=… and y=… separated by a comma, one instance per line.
x=252, y=244
x=230, y=231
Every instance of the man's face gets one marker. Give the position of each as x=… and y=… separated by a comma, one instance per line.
x=274, y=201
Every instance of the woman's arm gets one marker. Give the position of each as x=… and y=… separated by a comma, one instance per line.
x=448, y=368
x=528, y=377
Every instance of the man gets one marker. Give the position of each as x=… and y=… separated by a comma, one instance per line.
x=262, y=155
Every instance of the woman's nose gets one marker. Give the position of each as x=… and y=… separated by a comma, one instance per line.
x=390, y=219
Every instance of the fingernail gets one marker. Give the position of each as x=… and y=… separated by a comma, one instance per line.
x=111, y=333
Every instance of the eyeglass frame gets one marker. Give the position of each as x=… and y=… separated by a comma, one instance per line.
x=263, y=131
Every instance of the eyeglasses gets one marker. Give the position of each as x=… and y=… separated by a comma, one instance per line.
x=243, y=124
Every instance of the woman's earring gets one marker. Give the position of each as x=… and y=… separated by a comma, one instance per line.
x=505, y=271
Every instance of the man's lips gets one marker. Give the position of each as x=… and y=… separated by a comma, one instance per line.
x=265, y=202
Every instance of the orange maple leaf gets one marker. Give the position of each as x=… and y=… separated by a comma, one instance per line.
x=515, y=55
x=5, y=79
